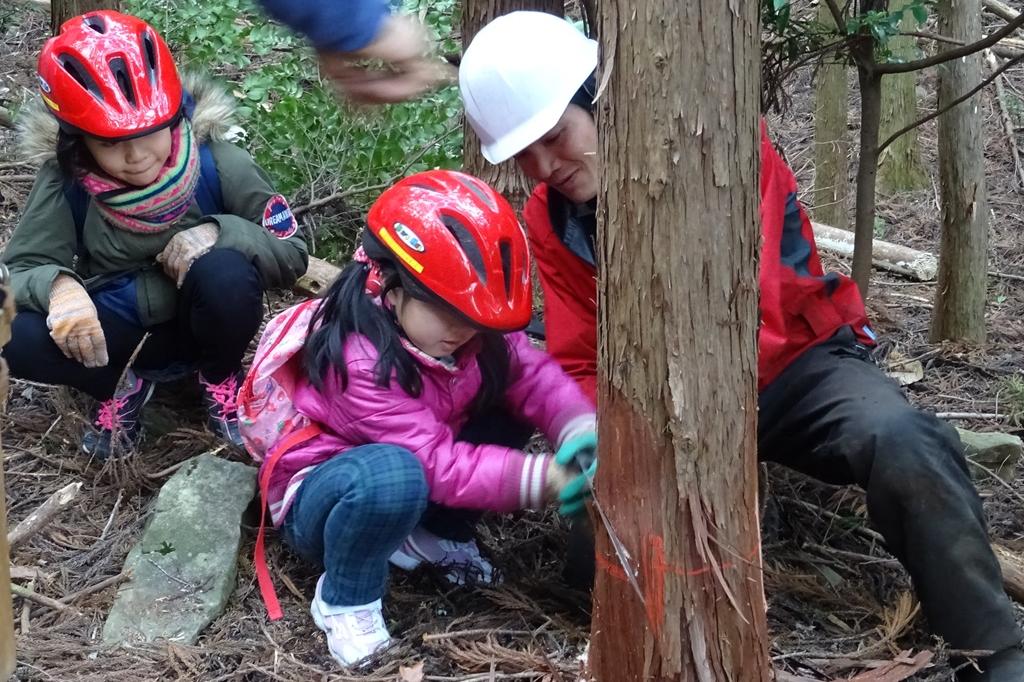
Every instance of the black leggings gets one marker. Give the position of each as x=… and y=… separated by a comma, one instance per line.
x=220, y=307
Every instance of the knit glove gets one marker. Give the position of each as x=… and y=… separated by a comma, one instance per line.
x=184, y=247
x=73, y=323
x=578, y=453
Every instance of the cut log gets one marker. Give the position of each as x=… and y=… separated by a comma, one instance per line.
x=1012, y=565
x=919, y=265
x=319, y=275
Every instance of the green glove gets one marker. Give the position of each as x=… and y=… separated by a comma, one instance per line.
x=580, y=452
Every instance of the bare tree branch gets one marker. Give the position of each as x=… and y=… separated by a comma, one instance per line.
x=837, y=14
x=963, y=98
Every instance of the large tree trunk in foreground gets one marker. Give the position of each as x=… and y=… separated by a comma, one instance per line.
x=62, y=10
x=959, y=311
x=899, y=168
x=678, y=325
x=505, y=177
x=831, y=140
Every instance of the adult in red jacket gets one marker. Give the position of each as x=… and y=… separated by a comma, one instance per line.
x=824, y=407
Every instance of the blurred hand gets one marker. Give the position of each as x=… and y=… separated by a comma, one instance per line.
x=409, y=70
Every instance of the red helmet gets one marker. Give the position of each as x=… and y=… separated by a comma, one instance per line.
x=454, y=239
x=109, y=75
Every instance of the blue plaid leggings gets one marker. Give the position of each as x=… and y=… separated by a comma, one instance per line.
x=351, y=513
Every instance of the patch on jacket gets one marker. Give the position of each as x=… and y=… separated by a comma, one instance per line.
x=278, y=218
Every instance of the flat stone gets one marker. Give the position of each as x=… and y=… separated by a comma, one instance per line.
x=998, y=452
x=183, y=569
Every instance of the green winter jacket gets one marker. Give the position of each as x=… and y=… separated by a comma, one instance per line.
x=44, y=243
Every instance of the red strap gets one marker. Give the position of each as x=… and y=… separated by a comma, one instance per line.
x=266, y=583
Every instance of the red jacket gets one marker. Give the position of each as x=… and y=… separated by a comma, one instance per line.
x=800, y=305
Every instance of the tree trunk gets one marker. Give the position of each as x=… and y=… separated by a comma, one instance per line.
x=62, y=10
x=505, y=177
x=900, y=166
x=679, y=239
x=960, y=297
x=831, y=142
x=867, y=167
x=8, y=658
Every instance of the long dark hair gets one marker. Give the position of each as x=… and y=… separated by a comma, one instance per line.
x=347, y=309
x=73, y=157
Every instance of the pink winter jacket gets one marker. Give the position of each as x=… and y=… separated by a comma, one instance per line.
x=459, y=474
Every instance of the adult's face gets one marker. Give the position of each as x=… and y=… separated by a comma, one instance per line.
x=566, y=156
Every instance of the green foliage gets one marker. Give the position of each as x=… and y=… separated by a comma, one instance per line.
x=307, y=141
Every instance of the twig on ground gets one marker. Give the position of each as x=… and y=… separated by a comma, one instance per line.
x=43, y=514
x=113, y=513
x=1004, y=116
x=476, y=633
x=26, y=593
x=972, y=415
x=98, y=587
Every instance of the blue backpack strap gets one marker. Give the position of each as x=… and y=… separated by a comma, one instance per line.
x=208, y=194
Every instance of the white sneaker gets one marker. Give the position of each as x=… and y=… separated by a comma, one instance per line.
x=353, y=632
x=462, y=559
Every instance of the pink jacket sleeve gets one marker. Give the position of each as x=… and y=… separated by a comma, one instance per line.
x=542, y=394
x=459, y=474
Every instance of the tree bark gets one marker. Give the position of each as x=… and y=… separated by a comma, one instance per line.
x=679, y=239
x=867, y=168
x=900, y=166
x=831, y=141
x=505, y=177
x=62, y=10
x=959, y=311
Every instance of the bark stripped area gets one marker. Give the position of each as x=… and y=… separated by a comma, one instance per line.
x=679, y=242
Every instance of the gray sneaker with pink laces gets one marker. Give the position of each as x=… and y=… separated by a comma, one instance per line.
x=117, y=422
x=221, y=401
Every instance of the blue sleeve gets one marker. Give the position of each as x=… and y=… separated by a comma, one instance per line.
x=331, y=25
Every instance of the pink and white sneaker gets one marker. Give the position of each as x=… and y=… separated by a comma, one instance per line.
x=462, y=559
x=354, y=633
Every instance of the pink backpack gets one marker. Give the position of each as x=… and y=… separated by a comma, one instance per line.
x=265, y=410
x=267, y=419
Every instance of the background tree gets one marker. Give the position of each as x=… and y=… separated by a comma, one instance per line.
x=678, y=216
x=504, y=177
x=830, y=198
x=62, y=10
x=900, y=166
x=959, y=311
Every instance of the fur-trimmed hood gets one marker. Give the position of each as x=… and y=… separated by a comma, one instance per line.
x=212, y=120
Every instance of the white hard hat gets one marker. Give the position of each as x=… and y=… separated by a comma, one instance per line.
x=517, y=77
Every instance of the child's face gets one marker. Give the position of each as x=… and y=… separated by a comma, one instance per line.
x=137, y=161
x=429, y=327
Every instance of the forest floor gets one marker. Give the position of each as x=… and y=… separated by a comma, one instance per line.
x=838, y=603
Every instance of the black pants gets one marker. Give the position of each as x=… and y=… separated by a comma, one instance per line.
x=220, y=310
x=835, y=416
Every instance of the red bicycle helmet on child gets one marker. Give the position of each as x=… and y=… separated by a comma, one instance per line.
x=111, y=76
x=456, y=241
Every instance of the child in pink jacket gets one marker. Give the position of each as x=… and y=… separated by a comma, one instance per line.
x=417, y=374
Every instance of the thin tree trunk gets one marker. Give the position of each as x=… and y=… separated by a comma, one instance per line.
x=867, y=170
x=960, y=297
x=679, y=239
x=831, y=141
x=8, y=658
x=505, y=177
x=900, y=166
x=62, y=10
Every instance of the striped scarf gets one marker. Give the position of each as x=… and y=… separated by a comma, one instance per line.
x=153, y=208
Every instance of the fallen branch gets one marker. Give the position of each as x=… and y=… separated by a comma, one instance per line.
x=98, y=587
x=1004, y=116
x=971, y=415
x=319, y=275
x=1003, y=11
x=26, y=593
x=43, y=514
x=919, y=265
x=1006, y=275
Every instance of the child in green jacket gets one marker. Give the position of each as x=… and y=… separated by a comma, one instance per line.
x=142, y=221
